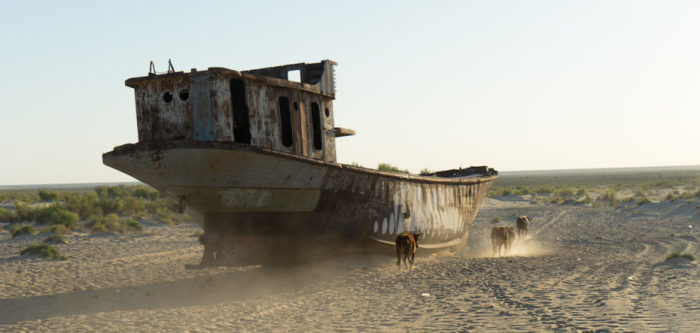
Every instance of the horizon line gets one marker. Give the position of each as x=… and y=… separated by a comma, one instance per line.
x=135, y=181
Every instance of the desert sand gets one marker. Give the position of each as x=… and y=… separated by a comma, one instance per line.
x=582, y=268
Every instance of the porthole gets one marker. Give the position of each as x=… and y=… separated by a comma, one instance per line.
x=167, y=97
x=184, y=94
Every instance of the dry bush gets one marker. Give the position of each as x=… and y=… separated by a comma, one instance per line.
x=24, y=229
x=44, y=250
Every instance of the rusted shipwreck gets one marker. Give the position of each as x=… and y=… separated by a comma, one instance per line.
x=251, y=156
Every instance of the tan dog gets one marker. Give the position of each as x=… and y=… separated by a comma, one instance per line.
x=406, y=245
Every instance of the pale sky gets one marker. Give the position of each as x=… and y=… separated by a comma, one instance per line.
x=516, y=85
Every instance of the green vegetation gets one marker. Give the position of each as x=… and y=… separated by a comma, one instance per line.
x=48, y=195
x=6, y=215
x=24, y=229
x=20, y=195
x=426, y=172
x=496, y=219
x=58, y=229
x=390, y=168
x=676, y=195
x=55, y=239
x=609, y=196
x=686, y=256
x=43, y=250
x=114, y=223
x=602, y=187
x=640, y=198
x=106, y=208
x=644, y=179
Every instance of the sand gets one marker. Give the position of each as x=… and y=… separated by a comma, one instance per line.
x=580, y=269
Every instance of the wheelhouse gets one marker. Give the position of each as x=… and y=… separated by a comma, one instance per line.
x=259, y=107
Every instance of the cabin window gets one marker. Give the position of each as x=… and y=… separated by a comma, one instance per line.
x=294, y=75
x=286, y=122
x=184, y=94
x=241, y=122
x=328, y=113
x=316, y=119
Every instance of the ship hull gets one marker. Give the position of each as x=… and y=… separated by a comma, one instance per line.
x=272, y=206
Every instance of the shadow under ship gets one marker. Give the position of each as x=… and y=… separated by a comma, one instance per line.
x=251, y=157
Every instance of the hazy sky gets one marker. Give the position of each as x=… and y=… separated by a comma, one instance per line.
x=516, y=85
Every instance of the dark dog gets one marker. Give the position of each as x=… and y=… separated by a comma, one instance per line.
x=406, y=245
x=523, y=223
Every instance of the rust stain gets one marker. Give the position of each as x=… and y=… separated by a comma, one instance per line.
x=164, y=106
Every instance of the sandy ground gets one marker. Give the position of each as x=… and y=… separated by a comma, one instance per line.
x=580, y=269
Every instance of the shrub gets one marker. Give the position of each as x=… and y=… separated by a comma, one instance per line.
x=54, y=214
x=83, y=204
x=43, y=250
x=585, y=200
x=22, y=211
x=133, y=225
x=111, y=192
x=113, y=223
x=22, y=196
x=564, y=192
x=522, y=190
x=499, y=192
x=145, y=192
x=58, y=229
x=543, y=190
x=496, y=219
x=55, y=239
x=610, y=196
x=7, y=215
x=508, y=191
x=686, y=256
x=642, y=199
x=63, y=217
x=167, y=216
x=24, y=229
x=48, y=195
x=108, y=206
x=133, y=206
x=426, y=172
x=390, y=168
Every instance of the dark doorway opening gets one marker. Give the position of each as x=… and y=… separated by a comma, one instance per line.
x=241, y=122
x=316, y=119
x=286, y=122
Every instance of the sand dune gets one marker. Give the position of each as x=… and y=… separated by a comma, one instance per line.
x=580, y=269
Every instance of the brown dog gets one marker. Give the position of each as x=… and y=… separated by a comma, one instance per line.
x=406, y=245
x=502, y=237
